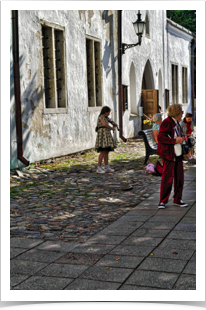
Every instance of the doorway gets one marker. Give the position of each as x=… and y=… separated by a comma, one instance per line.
x=149, y=95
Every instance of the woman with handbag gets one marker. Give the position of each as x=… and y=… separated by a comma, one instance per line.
x=170, y=150
x=157, y=119
x=188, y=128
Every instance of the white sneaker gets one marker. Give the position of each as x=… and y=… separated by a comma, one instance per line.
x=161, y=205
x=181, y=204
x=100, y=170
x=108, y=169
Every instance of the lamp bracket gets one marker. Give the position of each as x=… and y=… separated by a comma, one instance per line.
x=127, y=46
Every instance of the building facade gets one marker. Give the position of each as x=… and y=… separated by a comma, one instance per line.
x=68, y=67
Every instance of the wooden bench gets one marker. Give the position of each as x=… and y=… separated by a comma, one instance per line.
x=150, y=143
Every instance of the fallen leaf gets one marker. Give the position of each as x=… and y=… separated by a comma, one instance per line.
x=107, y=267
x=152, y=254
x=117, y=258
x=90, y=249
x=174, y=253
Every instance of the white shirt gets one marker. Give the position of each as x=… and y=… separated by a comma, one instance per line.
x=177, y=146
x=175, y=135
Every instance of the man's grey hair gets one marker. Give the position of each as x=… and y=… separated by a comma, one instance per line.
x=157, y=117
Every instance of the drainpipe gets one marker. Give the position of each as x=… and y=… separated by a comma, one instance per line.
x=120, y=75
x=193, y=74
x=17, y=91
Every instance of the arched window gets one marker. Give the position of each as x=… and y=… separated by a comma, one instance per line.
x=147, y=34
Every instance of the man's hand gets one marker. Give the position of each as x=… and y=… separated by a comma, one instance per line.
x=179, y=140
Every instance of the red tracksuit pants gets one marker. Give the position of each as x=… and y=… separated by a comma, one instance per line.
x=172, y=170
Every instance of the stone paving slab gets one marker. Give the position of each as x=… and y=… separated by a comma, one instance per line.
x=155, y=233
x=190, y=235
x=25, y=267
x=134, y=287
x=190, y=268
x=173, y=253
x=40, y=256
x=44, y=283
x=119, y=261
x=108, y=274
x=24, y=243
x=165, y=219
x=121, y=230
x=132, y=250
x=105, y=239
x=153, y=279
x=93, y=248
x=85, y=259
x=84, y=284
x=158, y=225
x=186, y=282
x=16, y=279
x=57, y=246
x=163, y=264
x=16, y=251
x=142, y=241
x=188, y=220
x=178, y=244
x=63, y=270
x=185, y=227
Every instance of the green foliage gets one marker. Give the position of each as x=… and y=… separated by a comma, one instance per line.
x=185, y=18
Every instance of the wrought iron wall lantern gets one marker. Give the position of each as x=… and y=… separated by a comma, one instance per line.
x=139, y=27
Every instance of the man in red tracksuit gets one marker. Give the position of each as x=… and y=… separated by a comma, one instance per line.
x=168, y=137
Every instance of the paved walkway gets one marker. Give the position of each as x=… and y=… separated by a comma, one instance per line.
x=144, y=249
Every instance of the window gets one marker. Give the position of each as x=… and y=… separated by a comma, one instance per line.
x=174, y=83
x=167, y=98
x=147, y=26
x=94, y=72
x=125, y=97
x=53, y=52
x=184, y=85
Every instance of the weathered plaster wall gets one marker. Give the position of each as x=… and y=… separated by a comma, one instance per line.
x=53, y=135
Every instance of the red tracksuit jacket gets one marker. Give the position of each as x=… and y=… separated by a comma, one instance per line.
x=166, y=141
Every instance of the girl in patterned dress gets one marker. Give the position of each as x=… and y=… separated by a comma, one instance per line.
x=104, y=141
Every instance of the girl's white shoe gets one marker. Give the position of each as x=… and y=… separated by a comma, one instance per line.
x=100, y=170
x=108, y=169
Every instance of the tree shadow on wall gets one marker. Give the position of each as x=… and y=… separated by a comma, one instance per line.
x=110, y=57
x=30, y=98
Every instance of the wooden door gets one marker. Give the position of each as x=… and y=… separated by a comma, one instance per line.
x=149, y=102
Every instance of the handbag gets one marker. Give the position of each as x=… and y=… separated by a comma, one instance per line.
x=191, y=141
x=185, y=148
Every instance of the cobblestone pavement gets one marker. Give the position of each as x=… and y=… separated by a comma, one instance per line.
x=75, y=203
